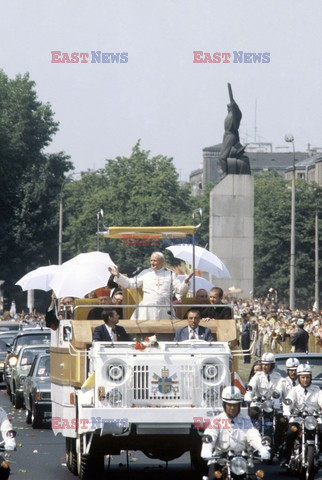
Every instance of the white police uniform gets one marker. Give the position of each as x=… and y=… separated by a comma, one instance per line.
x=6, y=426
x=304, y=398
x=262, y=385
x=284, y=386
x=232, y=434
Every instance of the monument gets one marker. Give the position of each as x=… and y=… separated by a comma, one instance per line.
x=231, y=225
x=231, y=157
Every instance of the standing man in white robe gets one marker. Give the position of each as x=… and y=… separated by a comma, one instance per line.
x=158, y=284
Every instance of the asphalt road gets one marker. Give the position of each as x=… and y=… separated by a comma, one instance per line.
x=41, y=455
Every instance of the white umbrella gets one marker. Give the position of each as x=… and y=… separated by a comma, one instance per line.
x=38, y=279
x=200, y=282
x=82, y=274
x=204, y=260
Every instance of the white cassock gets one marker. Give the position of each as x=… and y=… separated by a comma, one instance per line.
x=158, y=286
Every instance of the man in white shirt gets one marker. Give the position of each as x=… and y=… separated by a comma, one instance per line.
x=284, y=387
x=158, y=284
x=232, y=430
x=262, y=385
x=304, y=396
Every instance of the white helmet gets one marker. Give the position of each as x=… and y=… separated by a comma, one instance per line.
x=232, y=395
x=292, y=363
x=304, y=369
x=268, y=358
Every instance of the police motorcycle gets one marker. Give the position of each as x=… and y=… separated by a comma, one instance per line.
x=267, y=410
x=304, y=459
x=237, y=461
x=228, y=466
x=4, y=464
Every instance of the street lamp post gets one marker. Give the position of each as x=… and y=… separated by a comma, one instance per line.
x=60, y=228
x=316, y=270
x=290, y=139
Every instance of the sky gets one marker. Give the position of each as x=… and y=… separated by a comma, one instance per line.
x=160, y=95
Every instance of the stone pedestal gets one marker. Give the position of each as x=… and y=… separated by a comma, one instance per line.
x=231, y=230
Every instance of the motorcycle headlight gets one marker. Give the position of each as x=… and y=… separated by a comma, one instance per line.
x=238, y=466
x=310, y=423
x=268, y=406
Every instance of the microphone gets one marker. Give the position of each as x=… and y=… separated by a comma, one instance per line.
x=137, y=271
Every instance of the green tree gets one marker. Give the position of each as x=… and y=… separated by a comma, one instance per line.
x=272, y=238
x=30, y=181
x=138, y=190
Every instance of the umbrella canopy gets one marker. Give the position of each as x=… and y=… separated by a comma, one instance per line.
x=204, y=260
x=200, y=282
x=82, y=274
x=38, y=279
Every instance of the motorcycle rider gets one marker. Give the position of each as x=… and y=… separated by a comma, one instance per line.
x=303, y=396
x=287, y=383
x=232, y=429
x=283, y=388
x=9, y=443
x=262, y=384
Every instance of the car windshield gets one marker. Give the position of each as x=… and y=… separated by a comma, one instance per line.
x=33, y=339
x=4, y=339
x=28, y=357
x=43, y=369
x=314, y=362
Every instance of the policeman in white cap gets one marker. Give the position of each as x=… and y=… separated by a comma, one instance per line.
x=263, y=383
x=304, y=396
x=283, y=387
x=287, y=383
x=232, y=430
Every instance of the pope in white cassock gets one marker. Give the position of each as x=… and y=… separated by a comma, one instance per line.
x=158, y=284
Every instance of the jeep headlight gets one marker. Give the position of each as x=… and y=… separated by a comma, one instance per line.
x=238, y=466
x=116, y=371
x=114, y=397
x=310, y=423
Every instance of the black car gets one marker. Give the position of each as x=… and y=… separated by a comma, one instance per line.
x=314, y=359
x=37, y=391
x=32, y=336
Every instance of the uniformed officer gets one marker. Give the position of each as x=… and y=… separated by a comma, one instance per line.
x=263, y=384
x=232, y=430
x=304, y=396
x=284, y=387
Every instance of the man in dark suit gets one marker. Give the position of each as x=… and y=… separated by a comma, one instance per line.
x=301, y=338
x=110, y=331
x=217, y=312
x=193, y=331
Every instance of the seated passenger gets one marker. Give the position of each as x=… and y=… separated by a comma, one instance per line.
x=117, y=299
x=193, y=331
x=110, y=331
x=97, y=312
x=220, y=312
